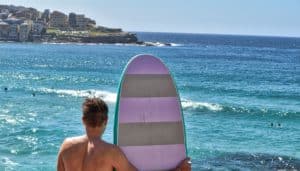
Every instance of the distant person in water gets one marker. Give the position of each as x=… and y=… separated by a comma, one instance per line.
x=5, y=89
x=90, y=152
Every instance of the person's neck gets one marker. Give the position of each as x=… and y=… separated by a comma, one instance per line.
x=92, y=137
x=93, y=134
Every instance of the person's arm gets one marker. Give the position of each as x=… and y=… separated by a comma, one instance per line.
x=60, y=162
x=120, y=162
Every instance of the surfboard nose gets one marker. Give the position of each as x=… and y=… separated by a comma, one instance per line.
x=146, y=64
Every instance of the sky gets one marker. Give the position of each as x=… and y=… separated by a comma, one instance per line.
x=241, y=17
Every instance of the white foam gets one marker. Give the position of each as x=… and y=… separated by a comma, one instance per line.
x=7, y=162
x=42, y=65
x=111, y=97
x=13, y=151
x=8, y=119
x=11, y=120
x=105, y=95
x=119, y=44
x=159, y=44
x=4, y=111
x=189, y=104
x=34, y=130
x=175, y=44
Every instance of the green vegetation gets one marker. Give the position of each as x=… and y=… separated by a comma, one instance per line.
x=58, y=32
x=52, y=30
x=96, y=33
x=86, y=33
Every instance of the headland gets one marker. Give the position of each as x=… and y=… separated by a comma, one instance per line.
x=26, y=24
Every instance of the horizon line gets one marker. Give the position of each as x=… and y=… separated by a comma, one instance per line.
x=220, y=34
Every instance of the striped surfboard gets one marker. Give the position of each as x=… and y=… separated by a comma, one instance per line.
x=149, y=124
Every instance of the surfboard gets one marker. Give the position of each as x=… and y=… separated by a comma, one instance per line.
x=149, y=124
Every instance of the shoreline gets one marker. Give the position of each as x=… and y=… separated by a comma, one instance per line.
x=105, y=38
x=145, y=44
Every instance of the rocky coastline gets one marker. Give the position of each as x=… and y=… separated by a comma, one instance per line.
x=126, y=38
x=26, y=24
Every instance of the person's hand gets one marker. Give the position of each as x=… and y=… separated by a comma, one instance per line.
x=185, y=165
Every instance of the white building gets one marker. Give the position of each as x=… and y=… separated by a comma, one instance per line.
x=4, y=30
x=13, y=31
x=24, y=32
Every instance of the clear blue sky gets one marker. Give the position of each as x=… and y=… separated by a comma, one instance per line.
x=249, y=17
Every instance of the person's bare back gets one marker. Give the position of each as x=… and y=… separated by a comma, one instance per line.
x=81, y=153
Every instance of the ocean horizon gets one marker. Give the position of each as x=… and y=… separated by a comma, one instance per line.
x=220, y=34
x=240, y=97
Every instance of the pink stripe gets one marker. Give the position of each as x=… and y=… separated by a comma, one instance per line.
x=149, y=109
x=156, y=157
x=146, y=64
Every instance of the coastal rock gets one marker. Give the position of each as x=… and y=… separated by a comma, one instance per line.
x=108, y=38
x=114, y=38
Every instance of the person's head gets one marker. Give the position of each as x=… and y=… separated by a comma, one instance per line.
x=94, y=113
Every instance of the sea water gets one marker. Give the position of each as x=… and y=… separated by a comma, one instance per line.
x=240, y=97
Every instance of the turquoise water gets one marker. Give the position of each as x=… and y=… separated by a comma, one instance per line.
x=240, y=97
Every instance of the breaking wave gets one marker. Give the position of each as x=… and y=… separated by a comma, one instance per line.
x=194, y=105
x=176, y=44
x=111, y=97
x=187, y=105
x=105, y=95
x=199, y=107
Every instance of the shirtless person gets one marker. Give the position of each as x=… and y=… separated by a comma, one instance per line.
x=89, y=152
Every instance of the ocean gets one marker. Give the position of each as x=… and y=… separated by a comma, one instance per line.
x=240, y=97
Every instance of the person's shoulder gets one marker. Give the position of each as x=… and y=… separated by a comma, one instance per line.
x=72, y=141
x=111, y=147
x=116, y=150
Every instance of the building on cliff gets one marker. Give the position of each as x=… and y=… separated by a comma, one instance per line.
x=72, y=20
x=4, y=15
x=24, y=32
x=4, y=30
x=80, y=22
x=59, y=20
x=46, y=16
x=38, y=27
x=13, y=33
x=28, y=14
x=4, y=10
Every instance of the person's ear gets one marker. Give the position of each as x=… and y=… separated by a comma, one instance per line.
x=83, y=122
x=105, y=122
